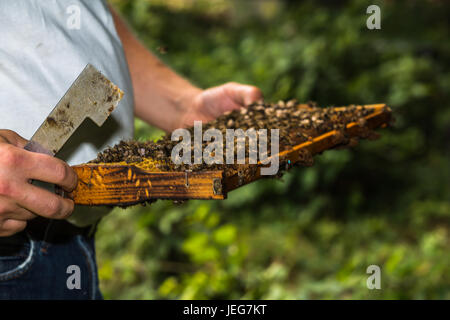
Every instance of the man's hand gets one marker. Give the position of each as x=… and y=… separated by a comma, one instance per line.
x=20, y=201
x=206, y=105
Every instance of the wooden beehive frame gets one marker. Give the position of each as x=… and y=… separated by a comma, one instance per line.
x=121, y=185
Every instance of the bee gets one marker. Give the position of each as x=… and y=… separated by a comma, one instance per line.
x=162, y=49
x=353, y=142
x=362, y=122
x=291, y=103
x=305, y=122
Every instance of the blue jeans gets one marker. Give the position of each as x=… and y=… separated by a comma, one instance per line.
x=37, y=269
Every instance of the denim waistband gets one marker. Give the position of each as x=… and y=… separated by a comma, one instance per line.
x=57, y=231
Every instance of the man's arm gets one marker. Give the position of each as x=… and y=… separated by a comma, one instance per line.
x=166, y=100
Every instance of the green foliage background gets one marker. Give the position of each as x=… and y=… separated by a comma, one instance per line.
x=313, y=233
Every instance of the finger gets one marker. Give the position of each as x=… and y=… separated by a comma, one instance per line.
x=44, y=203
x=13, y=138
x=216, y=101
x=49, y=169
x=251, y=95
x=10, y=210
x=11, y=226
x=242, y=94
x=21, y=214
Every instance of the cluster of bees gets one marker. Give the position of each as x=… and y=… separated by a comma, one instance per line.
x=296, y=122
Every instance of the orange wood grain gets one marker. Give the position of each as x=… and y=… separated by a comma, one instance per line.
x=104, y=184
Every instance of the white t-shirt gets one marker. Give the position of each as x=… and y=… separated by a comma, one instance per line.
x=44, y=45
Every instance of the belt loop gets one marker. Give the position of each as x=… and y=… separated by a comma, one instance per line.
x=92, y=229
